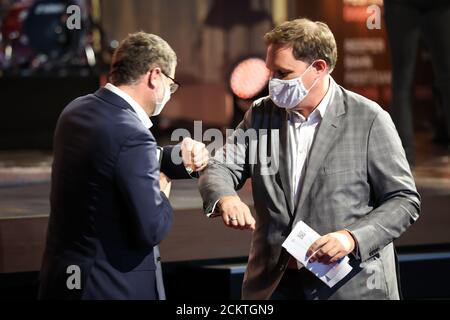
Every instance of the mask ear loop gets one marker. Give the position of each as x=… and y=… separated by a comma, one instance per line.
x=154, y=93
x=315, y=81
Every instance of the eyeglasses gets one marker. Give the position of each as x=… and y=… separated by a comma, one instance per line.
x=174, y=86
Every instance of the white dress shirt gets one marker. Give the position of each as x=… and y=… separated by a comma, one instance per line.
x=301, y=133
x=142, y=115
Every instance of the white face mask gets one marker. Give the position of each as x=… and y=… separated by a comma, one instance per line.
x=288, y=94
x=159, y=106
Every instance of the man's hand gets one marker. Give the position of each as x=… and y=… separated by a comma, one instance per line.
x=331, y=247
x=195, y=155
x=235, y=213
x=165, y=184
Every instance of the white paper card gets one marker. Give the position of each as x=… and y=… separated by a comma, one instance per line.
x=298, y=243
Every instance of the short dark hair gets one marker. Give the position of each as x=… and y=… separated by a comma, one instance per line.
x=136, y=54
x=310, y=40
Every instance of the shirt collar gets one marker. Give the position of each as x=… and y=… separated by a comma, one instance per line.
x=318, y=112
x=142, y=115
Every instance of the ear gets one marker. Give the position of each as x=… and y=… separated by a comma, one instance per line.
x=152, y=77
x=320, y=66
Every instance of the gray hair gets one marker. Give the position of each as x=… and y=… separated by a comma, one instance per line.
x=138, y=53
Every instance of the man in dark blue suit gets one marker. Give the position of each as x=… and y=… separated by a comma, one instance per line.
x=109, y=200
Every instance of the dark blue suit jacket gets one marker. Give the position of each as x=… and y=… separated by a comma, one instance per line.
x=107, y=211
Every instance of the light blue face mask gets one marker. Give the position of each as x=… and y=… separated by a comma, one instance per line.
x=288, y=94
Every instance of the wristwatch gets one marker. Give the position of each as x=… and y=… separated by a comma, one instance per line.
x=189, y=170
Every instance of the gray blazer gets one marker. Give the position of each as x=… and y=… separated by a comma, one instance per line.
x=357, y=178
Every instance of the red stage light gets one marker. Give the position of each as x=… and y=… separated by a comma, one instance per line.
x=249, y=78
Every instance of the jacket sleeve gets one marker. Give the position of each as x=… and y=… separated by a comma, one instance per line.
x=228, y=170
x=172, y=170
x=397, y=202
x=137, y=177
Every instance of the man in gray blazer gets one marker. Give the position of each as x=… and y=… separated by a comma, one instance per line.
x=320, y=154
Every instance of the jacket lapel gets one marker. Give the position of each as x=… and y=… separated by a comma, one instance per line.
x=284, y=163
x=325, y=138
